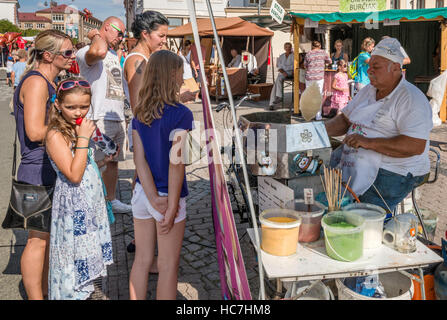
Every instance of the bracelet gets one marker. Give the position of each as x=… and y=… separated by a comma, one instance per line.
x=81, y=147
x=97, y=34
x=83, y=138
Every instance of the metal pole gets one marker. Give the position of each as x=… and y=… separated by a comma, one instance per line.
x=238, y=138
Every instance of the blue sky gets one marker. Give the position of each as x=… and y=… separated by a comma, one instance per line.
x=99, y=8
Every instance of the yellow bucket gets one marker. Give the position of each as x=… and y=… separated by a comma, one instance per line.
x=280, y=229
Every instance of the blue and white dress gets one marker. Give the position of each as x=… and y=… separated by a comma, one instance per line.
x=80, y=239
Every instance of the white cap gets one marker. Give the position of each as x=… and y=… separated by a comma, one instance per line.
x=389, y=48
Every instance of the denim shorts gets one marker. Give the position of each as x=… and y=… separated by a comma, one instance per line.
x=392, y=186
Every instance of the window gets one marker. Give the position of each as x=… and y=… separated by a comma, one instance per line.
x=395, y=4
x=175, y=22
x=420, y=4
x=58, y=17
x=40, y=26
x=439, y=3
x=254, y=1
x=59, y=27
x=28, y=25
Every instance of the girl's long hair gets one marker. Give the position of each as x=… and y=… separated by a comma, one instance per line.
x=55, y=119
x=48, y=40
x=159, y=86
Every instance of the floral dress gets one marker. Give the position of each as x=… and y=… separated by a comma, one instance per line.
x=80, y=239
x=340, y=98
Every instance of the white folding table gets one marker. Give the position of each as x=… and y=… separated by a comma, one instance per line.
x=310, y=262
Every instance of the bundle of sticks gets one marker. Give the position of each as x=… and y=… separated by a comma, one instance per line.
x=333, y=185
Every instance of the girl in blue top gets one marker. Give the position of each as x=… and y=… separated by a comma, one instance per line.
x=159, y=131
x=362, y=79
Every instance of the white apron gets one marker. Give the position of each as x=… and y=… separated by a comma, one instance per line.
x=360, y=164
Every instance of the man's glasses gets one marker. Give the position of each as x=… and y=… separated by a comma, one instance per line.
x=67, y=53
x=120, y=33
x=70, y=84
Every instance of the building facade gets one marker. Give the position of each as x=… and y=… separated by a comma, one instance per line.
x=175, y=10
x=8, y=10
x=29, y=20
x=70, y=20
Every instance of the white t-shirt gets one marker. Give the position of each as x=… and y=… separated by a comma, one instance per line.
x=187, y=71
x=405, y=111
x=106, y=80
x=9, y=65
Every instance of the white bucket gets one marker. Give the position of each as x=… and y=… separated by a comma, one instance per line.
x=397, y=287
x=318, y=292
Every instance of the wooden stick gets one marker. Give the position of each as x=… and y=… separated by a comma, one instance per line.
x=347, y=184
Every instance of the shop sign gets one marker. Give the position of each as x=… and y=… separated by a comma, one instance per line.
x=362, y=5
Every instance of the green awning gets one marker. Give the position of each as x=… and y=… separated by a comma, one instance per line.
x=410, y=14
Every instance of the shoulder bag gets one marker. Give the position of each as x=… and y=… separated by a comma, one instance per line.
x=29, y=205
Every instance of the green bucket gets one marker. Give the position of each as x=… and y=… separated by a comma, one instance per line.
x=343, y=235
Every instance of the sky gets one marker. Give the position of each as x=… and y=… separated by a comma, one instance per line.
x=100, y=9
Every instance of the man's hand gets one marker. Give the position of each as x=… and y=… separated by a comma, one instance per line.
x=356, y=141
x=92, y=33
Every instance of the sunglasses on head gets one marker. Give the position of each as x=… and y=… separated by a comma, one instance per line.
x=70, y=84
x=120, y=33
x=67, y=53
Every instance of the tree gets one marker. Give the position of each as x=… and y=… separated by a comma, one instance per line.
x=7, y=26
x=30, y=32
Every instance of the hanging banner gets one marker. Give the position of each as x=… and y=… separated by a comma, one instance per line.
x=277, y=12
x=72, y=30
x=362, y=5
x=233, y=277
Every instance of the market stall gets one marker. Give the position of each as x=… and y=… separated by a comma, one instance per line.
x=234, y=33
x=426, y=26
x=311, y=229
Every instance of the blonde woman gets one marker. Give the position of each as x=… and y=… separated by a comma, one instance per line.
x=53, y=52
x=338, y=54
x=159, y=132
x=362, y=79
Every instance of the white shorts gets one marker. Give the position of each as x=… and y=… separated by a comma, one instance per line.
x=142, y=208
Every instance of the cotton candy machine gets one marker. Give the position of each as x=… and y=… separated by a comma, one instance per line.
x=285, y=148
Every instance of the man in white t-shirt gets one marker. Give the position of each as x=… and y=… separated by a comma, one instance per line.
x=387, y=127
x=101, y=67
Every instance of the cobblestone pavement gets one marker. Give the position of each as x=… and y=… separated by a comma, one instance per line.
x=199, y=271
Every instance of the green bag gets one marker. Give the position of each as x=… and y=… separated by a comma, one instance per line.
x=353, y=68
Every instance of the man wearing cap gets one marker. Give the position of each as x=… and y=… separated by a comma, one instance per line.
x=387, y=127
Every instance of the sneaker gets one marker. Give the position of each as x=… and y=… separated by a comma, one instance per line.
x=119, y=207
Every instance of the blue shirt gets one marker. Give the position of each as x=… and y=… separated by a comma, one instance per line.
x=18, y=68
x=157, y=143
x=362, y=68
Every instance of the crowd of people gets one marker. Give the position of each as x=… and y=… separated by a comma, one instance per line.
x=57, y=86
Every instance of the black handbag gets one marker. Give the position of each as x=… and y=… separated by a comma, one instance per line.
x=29, y=205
